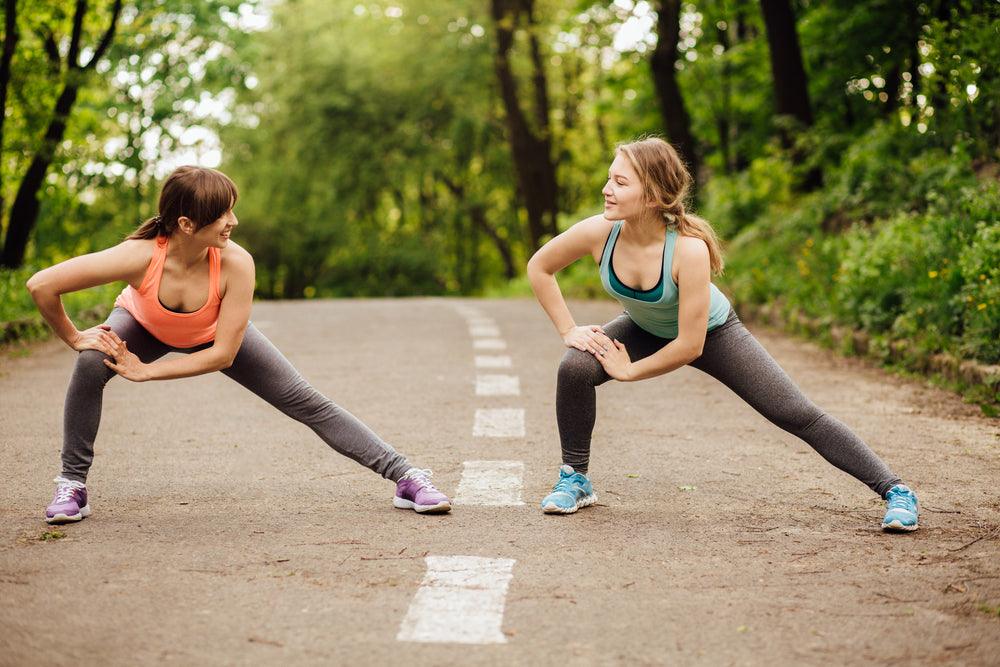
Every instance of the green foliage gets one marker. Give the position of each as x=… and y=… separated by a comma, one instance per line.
x=923, y=270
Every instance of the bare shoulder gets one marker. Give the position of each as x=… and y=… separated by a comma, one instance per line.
x=692, y=248
x=132, y=254
x=237, y=257
x=596, y=226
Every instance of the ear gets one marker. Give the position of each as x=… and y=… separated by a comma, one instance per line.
x=186, y=225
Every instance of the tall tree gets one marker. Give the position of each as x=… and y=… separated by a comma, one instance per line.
x=10, y=37
x=24, y=211
x=664, y=65
x=791, y=92
x=530, y=147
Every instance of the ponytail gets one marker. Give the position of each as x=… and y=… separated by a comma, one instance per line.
x=150, y=229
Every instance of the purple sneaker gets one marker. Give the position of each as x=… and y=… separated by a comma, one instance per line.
x=414, y=491
x=69, y=503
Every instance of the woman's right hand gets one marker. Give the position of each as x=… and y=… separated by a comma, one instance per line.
x=100, y=338
x=588, y=338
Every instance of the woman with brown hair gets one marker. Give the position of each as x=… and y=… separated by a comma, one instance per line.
x=657, y=260
x=190, y=290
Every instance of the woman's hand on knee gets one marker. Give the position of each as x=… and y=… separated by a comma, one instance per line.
x=100, y=338
x=128, y=365
x=588, y=338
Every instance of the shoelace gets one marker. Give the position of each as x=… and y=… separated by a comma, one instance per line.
x=422, y=476
x=565, y=485
x=900, y=501
x=64, y=492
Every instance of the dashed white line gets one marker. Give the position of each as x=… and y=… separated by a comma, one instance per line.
x=499, y=423
x=482, y=331
x=461, y=600
x=489, y=344
x=491, y=361
x=498, y=385
x=491, y=483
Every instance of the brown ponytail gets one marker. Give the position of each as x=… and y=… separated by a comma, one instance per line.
x=666, y=182
x=203, y=195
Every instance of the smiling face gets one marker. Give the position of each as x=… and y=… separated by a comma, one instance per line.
x=624, y=197
x=217, y=233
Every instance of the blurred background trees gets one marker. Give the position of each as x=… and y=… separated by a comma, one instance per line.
x=847, y=151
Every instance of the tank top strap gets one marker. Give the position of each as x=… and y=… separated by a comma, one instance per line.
x=214, y=273
x=609, y=244
x=151, y=279
x=668, y=254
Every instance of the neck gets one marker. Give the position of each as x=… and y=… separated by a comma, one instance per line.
x=643, y=229
x=187, y=251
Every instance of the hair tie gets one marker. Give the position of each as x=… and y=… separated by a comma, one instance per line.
x=669, y=217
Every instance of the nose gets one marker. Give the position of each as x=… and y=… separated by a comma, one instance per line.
x=606, y=191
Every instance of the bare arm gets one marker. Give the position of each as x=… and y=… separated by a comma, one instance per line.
x=693, y=280
x=584, y=238
x=234, y=316
x=126, y=261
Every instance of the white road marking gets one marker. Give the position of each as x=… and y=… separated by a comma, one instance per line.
x=491, y=483
x=481, y=322
x=483, y=331
x=460, y=600
x=489, y=344
x=498, y=385
x=499, y=423
x=490, y=361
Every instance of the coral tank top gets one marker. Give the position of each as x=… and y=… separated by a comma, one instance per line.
x=179, y=330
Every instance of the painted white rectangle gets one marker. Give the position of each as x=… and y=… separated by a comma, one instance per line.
x=489, y=344
x=491, y=361
x=469, y=311
x=481, y=322
x=498, y=385
x=481, y=331
x=491, y=483
x=460, y=600
x=499, y=423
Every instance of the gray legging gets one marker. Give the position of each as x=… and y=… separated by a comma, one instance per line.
x=734, y=357
x=258, y=366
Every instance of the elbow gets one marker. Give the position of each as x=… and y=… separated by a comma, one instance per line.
x=535, y=269
x=227, y=362
x=34, y=284
x=694, y=352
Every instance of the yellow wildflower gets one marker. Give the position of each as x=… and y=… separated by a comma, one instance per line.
x=932, y=274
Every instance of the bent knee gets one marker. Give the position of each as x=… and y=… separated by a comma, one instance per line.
x=578, y=366
x=90, y=363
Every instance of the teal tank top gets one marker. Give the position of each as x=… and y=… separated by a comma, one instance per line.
x=655, y=310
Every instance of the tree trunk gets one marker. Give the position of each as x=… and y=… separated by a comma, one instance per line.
x=10, y=37
x=663, y=63
x=791, y=93
x=791, y=90
x=536, y=173
x=24, y=212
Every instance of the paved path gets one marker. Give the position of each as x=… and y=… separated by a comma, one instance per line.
x=224, y=533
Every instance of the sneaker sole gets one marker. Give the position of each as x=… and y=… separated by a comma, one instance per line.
x=583, y=502
x=69, y=518
x=897, y=527
x=403, y=504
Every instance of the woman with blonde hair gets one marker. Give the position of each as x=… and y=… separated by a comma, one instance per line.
x=657, y=260
x=190, y=290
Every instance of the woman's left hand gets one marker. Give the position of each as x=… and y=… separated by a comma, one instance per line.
x=616, y=361
x=128, y=365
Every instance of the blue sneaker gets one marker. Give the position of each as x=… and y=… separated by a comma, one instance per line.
x=901, y=511
x=571, y=492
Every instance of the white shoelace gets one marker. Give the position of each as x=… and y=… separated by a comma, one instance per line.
x=421, y=475
x=64, y=492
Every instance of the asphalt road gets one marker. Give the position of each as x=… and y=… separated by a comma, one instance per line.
x=224, y=533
